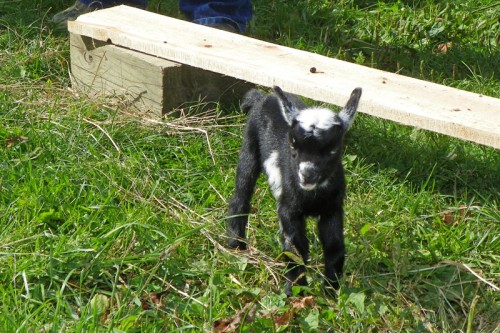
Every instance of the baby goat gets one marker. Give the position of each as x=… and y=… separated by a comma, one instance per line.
x=299, y=148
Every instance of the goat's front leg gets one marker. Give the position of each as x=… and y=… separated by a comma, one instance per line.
x=330, y=229
x=246, y=176
x=294, y=240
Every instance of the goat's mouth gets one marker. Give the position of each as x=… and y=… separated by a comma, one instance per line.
x=307, y=183
x=308, y=186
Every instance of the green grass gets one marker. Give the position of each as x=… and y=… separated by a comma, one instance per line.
x=114, y=222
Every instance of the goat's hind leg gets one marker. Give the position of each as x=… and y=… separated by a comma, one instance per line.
x=246, y=176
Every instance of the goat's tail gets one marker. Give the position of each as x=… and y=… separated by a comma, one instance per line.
x=251, y=98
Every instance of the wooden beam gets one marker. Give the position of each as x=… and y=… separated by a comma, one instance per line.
x=150, y=83
x=395, y=97
x=101, y=69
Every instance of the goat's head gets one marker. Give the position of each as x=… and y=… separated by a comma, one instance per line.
x=315, y=137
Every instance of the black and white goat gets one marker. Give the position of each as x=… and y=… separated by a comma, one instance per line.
x=299, y=148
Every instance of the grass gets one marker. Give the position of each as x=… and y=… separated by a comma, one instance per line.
x=114, y=222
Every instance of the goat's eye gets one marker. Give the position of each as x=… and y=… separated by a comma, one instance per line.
x=293, y=144
x=334, y=151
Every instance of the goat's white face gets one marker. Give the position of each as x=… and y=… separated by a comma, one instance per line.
x=315, y=141
x=314, y=127
x=316, y=136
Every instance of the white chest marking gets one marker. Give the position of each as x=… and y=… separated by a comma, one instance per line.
x=273, y=174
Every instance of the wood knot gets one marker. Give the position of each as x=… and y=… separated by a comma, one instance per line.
x=88, y=57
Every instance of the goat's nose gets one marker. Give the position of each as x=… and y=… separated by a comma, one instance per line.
x=308, y=175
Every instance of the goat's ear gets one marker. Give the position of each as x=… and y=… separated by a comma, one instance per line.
x=288, y=110
x=348, y=113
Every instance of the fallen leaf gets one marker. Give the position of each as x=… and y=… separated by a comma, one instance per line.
x=231, y=324
x=12, y=141
x=223, y=325
x=151, y=300
x=100, y=306
x=448, y=218
x=283, y=319
x=303, y=302
x=464, y=212
x=296, y=304
x=99, y=303
x=451, y=217
x=444, y=47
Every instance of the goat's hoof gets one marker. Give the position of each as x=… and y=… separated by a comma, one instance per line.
x=333, y=281
x=330, y=292
x=289, y=285
x=288, y=289
x=331, y=288
x=236, y=244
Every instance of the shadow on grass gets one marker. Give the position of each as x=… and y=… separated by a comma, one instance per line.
x=455, y=167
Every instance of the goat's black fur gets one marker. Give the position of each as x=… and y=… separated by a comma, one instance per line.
x=299, y=149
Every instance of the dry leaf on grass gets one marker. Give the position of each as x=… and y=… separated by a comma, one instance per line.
x=303, y=302
x=152, y=300
x=283, y=319
x=100, y=306
x=443, y=47
x=231, y=324
x=297, y=304
x=13, y=140
x=454, y=217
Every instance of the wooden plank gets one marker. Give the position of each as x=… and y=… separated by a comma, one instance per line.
x=395, y=97
x=101, y=69
x=148, y=82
